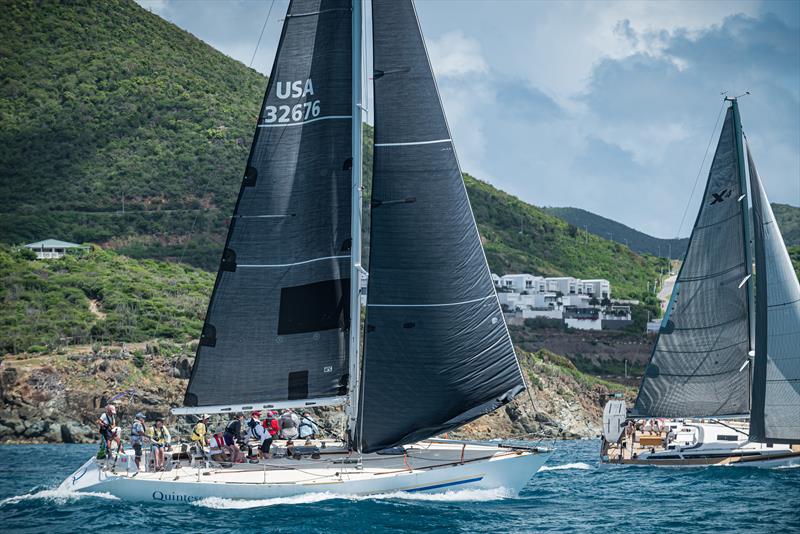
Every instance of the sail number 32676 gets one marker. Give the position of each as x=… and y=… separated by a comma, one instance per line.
x=298, y=112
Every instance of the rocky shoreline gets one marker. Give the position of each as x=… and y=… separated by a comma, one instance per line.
x=56, y=398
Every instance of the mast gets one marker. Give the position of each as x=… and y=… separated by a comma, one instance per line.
x=355, y=225
x=746, y=232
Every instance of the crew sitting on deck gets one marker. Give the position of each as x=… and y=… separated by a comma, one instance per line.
x=138, y=435
x=109, y=430
x=289, y=423
x=233, y=436
x=308, y=428
x=159, y=441
x=217, y=448
x=271, y=424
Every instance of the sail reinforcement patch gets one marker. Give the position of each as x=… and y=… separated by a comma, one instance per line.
x=314, y=307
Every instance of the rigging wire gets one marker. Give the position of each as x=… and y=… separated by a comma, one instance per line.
x=264, y=27
x=699, y=171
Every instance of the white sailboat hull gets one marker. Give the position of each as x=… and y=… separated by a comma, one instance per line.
x=699, y=445
x=436, y=468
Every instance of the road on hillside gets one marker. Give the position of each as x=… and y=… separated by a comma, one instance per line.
x=666, y=289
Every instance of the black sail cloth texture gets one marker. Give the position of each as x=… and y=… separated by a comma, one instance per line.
x=276, y=327
x=775, y=416
x=437, y=352
x=696, y=365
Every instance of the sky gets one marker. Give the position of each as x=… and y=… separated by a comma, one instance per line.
x=607, y=106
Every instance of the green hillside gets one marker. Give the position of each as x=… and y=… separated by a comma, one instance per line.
x=118, y=128
x=610, y=229
x=788, y=218
x=97, y=295
x=519, y=237
x=105, y=105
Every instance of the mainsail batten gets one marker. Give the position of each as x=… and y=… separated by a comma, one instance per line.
x=437, y=353
x=775, y=417
x=276, y=330
x=696, y=368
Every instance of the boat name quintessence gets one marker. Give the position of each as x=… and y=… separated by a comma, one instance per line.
x=177, y=497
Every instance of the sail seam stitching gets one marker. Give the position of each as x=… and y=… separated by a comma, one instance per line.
x=701, y=351
x=410, y=143
x=429, y=305
x=736, y=319
x=713, y=275
x=329, y=117
x=716, y=223
x=783, y=304
x=295, y=263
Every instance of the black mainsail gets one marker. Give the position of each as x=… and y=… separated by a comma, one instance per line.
x=697, y=365
x=437, y=353
x=276, y=330
x=775, y=416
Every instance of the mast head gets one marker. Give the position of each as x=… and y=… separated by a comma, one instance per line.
x=733, y=98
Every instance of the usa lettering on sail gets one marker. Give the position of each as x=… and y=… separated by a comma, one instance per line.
x=301, y=111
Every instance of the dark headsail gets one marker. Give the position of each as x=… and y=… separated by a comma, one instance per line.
x=437, y=352
x=276, y=327
x=775, y=415
x=697, y=365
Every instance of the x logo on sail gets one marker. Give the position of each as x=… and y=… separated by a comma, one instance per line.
x=721, y=196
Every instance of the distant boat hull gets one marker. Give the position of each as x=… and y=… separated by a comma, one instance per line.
x=700, y=445
x=433, y=469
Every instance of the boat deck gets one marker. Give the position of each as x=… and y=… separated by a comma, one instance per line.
x=333, y=466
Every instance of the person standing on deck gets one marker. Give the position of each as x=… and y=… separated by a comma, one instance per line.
x=109, y=430
x=233, y=435
x=138, y=435
x=199, y=431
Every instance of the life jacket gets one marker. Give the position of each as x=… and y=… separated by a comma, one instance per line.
x=272, y=426
x=112, y=421
x=253, y=425
x=287, y=422
x=306, y=423
x=159, y=435
x=195, y=435
x=230, y=429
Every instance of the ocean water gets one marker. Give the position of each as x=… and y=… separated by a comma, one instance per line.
x=569, y=494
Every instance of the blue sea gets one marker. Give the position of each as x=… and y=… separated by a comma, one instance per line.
x=569, y=494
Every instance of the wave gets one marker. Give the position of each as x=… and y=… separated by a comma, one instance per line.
x=565, y=467
x=58, y=495
x=466, y=495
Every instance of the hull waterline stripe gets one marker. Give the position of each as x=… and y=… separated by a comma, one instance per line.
x=253, y=265
x=330, y=117
x=429, y=305
x=445, y=485
x=415, y=143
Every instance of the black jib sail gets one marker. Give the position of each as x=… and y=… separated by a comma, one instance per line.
x=437, y=352
x=775, y=415
x=697, y=365
x=276, y=327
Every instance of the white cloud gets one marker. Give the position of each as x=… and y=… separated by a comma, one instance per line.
x=453, y=54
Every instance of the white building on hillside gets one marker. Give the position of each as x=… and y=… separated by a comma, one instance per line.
x=522, y=282
x=598, y=288
x=50, y=249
